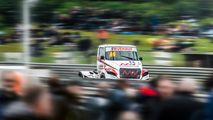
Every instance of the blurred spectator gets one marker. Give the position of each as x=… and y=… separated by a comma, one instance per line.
x=102, y=35
x=182, y=106
x=20, y=79
x=149, y=97
x=97, y=104
x=50, y=32
x=157, y=100
x=55, y=86
x=76, y=35
x=84, y=44
x=60, y=103
x=9, y=91
x=164, y=87
x=65, y=98
x=36, y=49
x=73, y=91
x=35, y=105
x=56, y=40
x=120, y=100
x=209, y=106
x=2, y=40
x=129, y=115
x=66, y=38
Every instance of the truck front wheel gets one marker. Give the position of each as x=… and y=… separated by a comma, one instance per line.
x=103, y=76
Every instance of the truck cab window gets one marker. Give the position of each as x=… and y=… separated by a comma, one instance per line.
x=101, y=52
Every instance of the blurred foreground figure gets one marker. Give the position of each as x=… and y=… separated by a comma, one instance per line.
x=55, y=87
x=14, y=81
x=60, y=105
x=98, y=104
x=73, y=93
x=35, y=105
x=20, y=82
x=182, y=106
x=129, y=115
x=121, y=99
x=150, y=97
x=11, y=88
x=209, y=106
x=165, y=88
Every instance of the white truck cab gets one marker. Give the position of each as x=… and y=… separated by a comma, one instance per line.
x=116, y=61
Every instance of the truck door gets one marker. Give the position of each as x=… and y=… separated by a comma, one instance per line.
x=100, y=57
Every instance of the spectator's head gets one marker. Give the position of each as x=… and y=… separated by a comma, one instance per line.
x=164, y=86
x=38, y=99
x=103, y=88
x=129, y=115
x=74, y=88
x=187, y=85
x=53, y=81
x=154, y=82
x=8, y=81
x=123, y=84
x=13, y=81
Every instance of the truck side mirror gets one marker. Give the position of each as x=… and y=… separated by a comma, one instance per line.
x=140, y=58
x=102, y=57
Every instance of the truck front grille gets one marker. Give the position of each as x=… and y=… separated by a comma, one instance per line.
x=133, y=73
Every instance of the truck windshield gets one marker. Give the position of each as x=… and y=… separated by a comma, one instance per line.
x=121, y=55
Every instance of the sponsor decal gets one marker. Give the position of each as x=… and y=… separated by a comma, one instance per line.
x=121, y=49
x=131, y=63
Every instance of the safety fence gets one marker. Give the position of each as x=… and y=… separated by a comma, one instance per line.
x=71, y=70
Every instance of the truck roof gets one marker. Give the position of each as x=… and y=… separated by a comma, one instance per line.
x=113, y=45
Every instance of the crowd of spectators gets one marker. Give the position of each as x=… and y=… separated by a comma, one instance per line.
x=160, y=99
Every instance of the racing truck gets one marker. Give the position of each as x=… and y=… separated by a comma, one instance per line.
x=115, y=61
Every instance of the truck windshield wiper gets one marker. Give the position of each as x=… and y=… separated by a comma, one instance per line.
x=127, y=57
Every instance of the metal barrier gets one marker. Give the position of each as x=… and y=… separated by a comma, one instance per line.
x=69, y=71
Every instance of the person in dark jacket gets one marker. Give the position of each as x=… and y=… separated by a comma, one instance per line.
x=147, y=98
x=160, y=89
x=73, y=91
x=60, y=104
x=209, y=106
x=35, y=105
x=183, y=106
x=97, y=104
x=119, y=100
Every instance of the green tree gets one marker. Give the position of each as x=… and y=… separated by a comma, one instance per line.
x=10, y=11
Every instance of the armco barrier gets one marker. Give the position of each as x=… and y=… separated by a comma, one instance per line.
x=69, y=71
